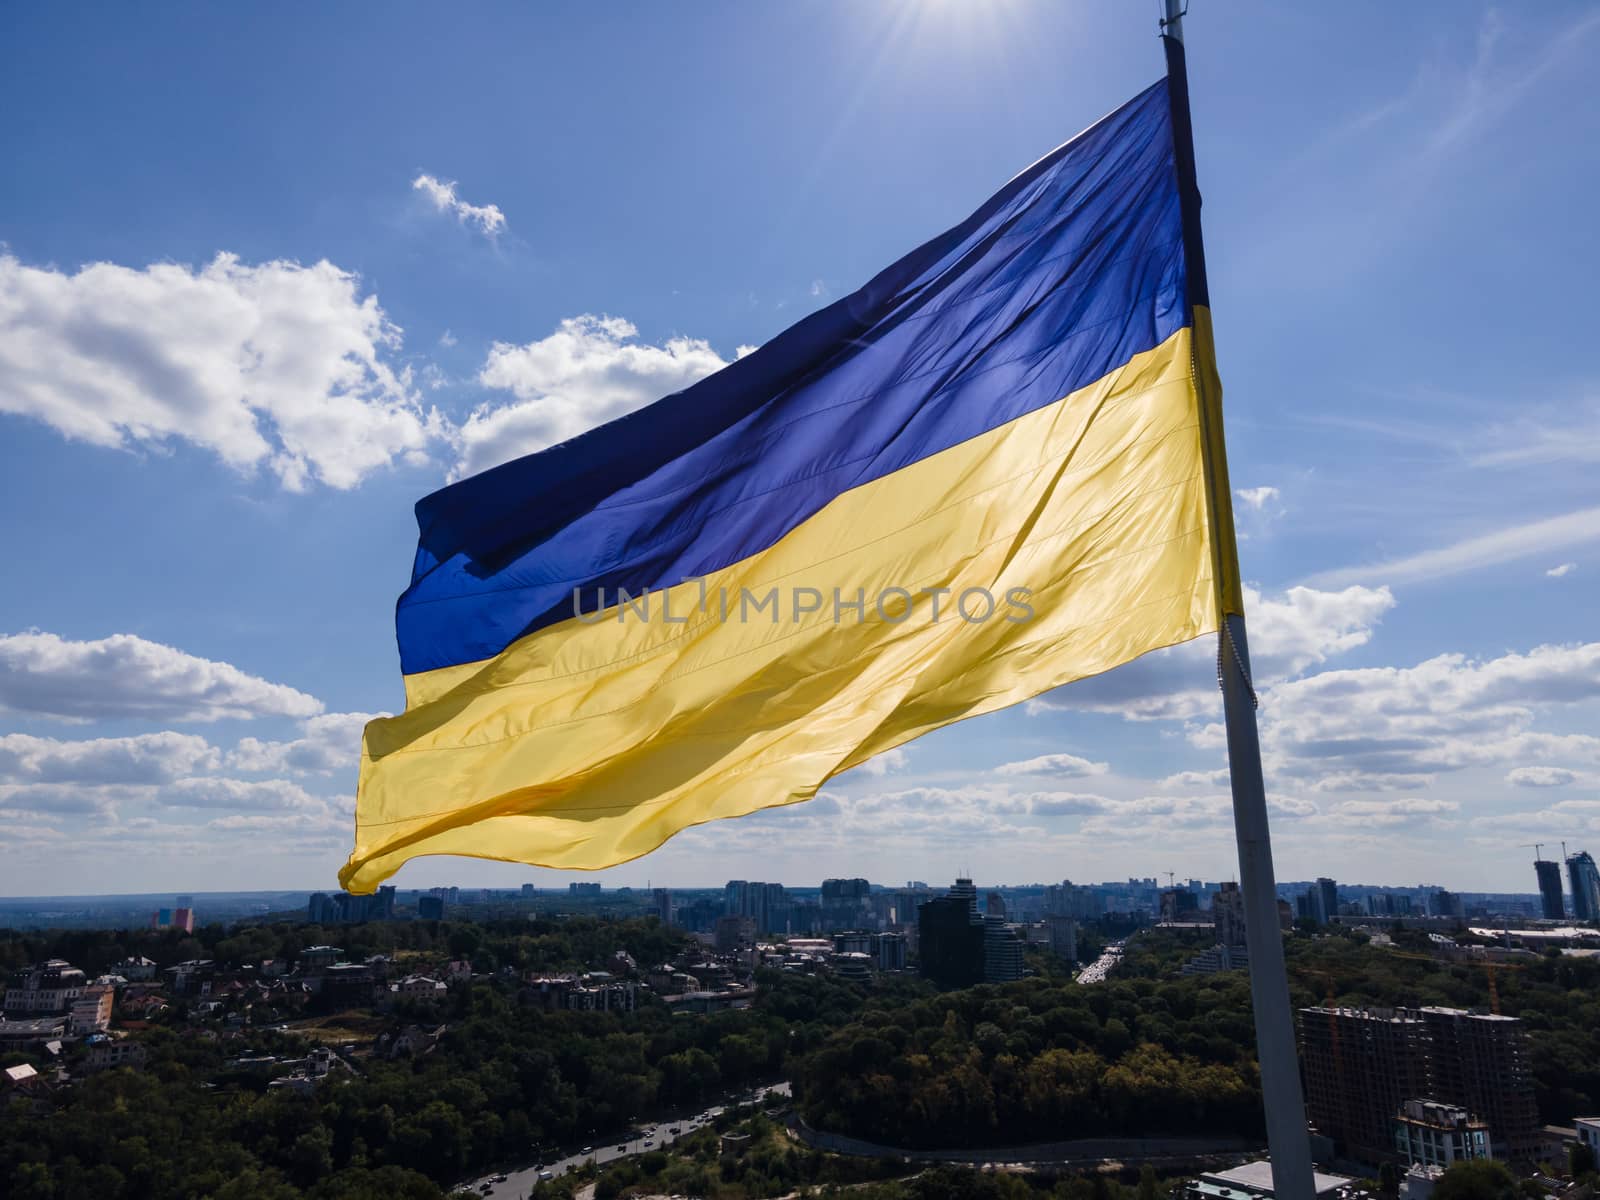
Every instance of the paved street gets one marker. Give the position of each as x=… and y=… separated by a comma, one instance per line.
x=1097, y=971
x=517, y=1184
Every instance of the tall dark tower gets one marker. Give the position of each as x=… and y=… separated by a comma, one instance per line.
x=1549, y=873
x=1584, y=877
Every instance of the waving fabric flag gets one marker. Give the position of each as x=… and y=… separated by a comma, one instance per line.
x=977, y=478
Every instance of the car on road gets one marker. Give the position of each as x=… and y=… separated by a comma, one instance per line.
x=648, y=1143
x=674, y=1130
x=588, y=1150
x=545, y=1176
x=622, y=1147
x=499, y=1179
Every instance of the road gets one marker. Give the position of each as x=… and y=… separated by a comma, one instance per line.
x=519, y=1183
x=1097, y=971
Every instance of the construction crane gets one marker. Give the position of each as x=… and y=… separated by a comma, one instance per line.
x=1489, y=968
x=1536, y=847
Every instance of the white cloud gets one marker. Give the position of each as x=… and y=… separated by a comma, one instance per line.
x=588, y=372
x=1066, y=765
x=277, y=365
x=125, y=800
x=1540, y=777
x=1569, y=433
x=918, y=818
x=447, y=339
x=100, y=799
x=1147, y=818
x=890, y=760
x=147, y=758
x=127, y=676
x=1566, y=568
x=267, y=795
x=1063, y=804
x=1407, y=810
x=1374, y=728
x=1476, y=553
x=331, y=742
x=1201, y=779
x=17, y=835
x=1256, y=497
x=486, y=218
x=1565, y=819
x=299, y=823
x=1302, y=628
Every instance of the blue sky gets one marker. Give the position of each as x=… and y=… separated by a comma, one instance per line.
x=266, y=281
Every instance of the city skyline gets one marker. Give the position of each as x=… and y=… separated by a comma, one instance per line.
x=178, y=708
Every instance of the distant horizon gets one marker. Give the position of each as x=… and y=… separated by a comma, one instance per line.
x=714, y=887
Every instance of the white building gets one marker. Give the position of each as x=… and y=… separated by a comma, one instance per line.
x=91, y=1011
x=136, y=969
x=50, y=987
x=421, y=987
x=1254, y=1180
x=124, y=1053
x=1428, y=1133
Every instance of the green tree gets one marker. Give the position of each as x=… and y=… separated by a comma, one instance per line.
x=1580, y=1160
x=311, y=1156
x=1480, y=1179
x=1389, y=1179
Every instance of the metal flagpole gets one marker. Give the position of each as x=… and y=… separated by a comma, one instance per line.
x=1287, y=1137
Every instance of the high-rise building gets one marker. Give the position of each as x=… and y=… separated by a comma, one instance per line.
x=1176, y=902
x=1480, y=1061
x=735, y=933
x=950, y=941
x=766, y=904
x=880, y=951
x=1327, y=893
x=1550, y=897
x=889, y=951
x=846, y=889
x=959, y=948
x=1063, y=936
x=1584, y=879
x=845, y=904
x=662, y=899
x=173, y=918
x=994, y=904
x=1069, y=900
x=1227, y=910
x=1360, y=1066
x=345, y=908
x=430, y=908
x=1444, y=903
x=1002, y=951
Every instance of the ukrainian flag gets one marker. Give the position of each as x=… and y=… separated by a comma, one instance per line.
x=1022, y=413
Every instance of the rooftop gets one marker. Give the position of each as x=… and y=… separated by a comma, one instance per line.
x=1256, y=1177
